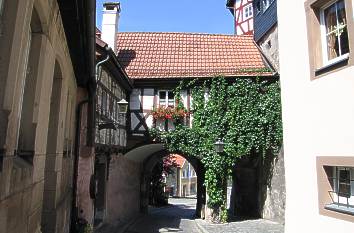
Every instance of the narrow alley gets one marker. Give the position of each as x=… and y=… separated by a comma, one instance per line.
x=178, y=216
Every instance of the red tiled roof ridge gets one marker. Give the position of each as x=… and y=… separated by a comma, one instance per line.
x=190, y=33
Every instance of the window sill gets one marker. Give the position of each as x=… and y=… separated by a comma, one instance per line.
x=340, y=208
x=332, y=66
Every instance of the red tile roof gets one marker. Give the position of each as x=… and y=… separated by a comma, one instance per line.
x=179, y=160
x=187, y=55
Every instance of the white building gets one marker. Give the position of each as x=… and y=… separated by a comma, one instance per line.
x=316, y=39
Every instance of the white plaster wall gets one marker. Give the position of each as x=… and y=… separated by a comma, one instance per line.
x=134, y=102
x=317, y=119
x=148, y=99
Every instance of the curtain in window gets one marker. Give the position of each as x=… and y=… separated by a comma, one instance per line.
x=342, y=28
x=331, y=24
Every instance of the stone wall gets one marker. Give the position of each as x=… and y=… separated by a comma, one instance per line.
x=123, y=190
x=35, y=68
x=274, y=190
x=270, y=47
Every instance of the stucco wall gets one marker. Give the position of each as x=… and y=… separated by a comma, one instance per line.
x=317, y=120
x=123, y=190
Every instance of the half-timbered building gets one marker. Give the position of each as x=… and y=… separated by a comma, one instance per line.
x=242, y=11
x=157, y=62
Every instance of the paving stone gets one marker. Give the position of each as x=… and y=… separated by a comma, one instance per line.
x=246, y=226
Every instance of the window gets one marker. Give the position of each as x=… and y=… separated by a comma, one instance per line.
x=248, y=12
x=342, y=189
x=335, y=42
x=266, y=4
x=166, y=98
x=258, y=6
x=330, y=36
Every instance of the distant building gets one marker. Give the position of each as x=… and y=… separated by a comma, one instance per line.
x=183, y=181
x=242, y=10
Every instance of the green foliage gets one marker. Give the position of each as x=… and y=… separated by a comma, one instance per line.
x=245, y=114
x=88, y=228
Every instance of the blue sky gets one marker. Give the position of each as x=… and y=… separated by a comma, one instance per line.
x=205, y=16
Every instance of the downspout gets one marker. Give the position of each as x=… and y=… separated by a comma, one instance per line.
x=77, y=146
x=98, y=66
x=74, y=218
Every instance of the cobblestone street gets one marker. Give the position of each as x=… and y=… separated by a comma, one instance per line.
x=177, y=217
x=247, y=226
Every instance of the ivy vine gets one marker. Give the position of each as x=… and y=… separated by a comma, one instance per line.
x=245, y=114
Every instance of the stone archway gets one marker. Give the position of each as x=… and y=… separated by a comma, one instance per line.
x=148, y=156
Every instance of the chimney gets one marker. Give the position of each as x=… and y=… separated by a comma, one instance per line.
x=110, y=19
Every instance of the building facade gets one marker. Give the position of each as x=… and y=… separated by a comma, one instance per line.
x=266, y=29
x=183, y=181
x=272, y=192
x=97, y=163
x=318, y=126
x=242, y=10
x=39, y=81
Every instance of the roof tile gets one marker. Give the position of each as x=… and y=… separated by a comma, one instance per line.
x=187, y=55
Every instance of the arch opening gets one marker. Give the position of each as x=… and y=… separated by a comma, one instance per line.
x=149, y=156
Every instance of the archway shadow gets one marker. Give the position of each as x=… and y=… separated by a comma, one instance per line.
x=148, y=155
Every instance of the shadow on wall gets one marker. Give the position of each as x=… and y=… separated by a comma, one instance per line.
x=259, y=188
x=125, y=56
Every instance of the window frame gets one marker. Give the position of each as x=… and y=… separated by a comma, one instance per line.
x=327, y=61
x=317, y=67
x=167, y=102
x=248, y=12
x=330, y=204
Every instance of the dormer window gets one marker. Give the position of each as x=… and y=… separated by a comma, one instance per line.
x=166, y=98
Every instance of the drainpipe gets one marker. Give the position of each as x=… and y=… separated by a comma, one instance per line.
x=98, y=66
x=74, y=218
x=77, y=143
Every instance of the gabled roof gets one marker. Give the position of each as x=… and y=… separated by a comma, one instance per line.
x=147, y=55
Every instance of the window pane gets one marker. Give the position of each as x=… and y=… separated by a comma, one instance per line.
x=341, y=12
x=344, y=183
x=171, y=98
x=332, y=46
x=171, y=95
x=258, y=6
x=330, y=18
x=336, y=30
x=162, y=95
x=344, y=42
